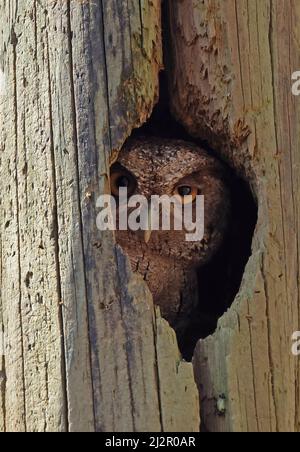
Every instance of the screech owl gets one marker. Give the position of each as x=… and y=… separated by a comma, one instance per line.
x=167, y=262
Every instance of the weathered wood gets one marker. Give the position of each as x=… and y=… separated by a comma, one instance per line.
x=231, y=66
x=82, y=349
x=177, y=416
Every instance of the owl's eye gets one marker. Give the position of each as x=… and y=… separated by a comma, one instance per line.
x=186, y=193
x=122, y=179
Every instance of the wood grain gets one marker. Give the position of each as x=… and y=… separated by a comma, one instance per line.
x=231, y=67
x=82, y=349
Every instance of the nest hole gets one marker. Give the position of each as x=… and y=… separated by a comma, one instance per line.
x=220, y=280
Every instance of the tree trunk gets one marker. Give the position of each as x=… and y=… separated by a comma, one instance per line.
x=230, y=78
x=84, y=348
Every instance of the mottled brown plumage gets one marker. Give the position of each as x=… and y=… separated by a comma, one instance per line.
x=168, y=262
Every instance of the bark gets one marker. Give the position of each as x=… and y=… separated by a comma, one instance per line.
x=85, y=350
x=231, y=65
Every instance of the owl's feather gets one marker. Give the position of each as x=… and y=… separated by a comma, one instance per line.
x=168, y=262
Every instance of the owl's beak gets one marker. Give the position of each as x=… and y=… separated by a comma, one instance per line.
x=148, y=232
x=147, y=236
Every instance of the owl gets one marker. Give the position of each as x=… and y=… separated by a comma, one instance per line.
x=164, y=258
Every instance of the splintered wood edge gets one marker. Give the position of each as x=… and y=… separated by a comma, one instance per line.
x=178, y=391
x=172, y=394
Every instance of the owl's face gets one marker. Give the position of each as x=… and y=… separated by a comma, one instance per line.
x=162, y=167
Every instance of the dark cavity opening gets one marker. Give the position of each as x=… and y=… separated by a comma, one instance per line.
x=220, y=280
